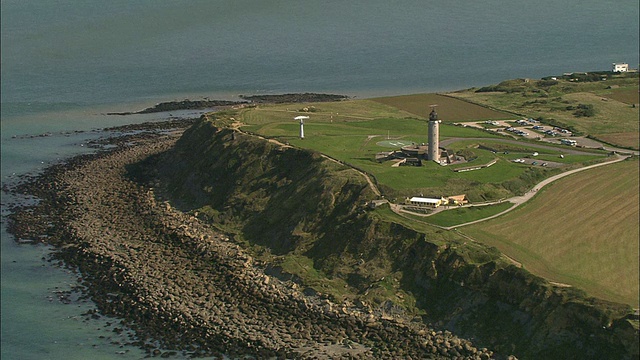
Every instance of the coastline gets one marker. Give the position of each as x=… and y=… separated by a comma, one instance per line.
x=180, y=285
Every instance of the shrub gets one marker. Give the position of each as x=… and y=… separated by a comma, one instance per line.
x=584, y=110
x=547, y=83
x=468, y=154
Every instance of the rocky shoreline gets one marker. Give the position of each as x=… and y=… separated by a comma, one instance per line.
x=181, y=285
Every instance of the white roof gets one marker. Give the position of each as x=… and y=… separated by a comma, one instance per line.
x=300, y=117
x=425, y=200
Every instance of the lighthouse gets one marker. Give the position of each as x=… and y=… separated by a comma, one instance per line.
x=434, y=135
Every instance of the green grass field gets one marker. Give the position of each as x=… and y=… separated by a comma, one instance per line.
x=355, y=131
x=628, y=95
x=449, y=109
x=582, y=231
x=459, y=216
x=615, y=120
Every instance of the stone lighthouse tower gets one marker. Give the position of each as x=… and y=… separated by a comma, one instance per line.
x=434, y=135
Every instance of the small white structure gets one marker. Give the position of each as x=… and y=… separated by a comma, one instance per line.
x=427, y=202
x=619, y=67
x=301, y=118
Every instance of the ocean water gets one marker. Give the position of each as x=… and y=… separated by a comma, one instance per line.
x=64, y=64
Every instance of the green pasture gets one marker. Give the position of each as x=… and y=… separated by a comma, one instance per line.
x=351, y=132
x=462, y=215
x=628, y=95
x=360, y=151
x=449, y=109
x=614, y=120
x=339, y=111
x=582, y=230
x=274, y=122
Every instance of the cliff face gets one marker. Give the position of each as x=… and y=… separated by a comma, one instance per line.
x=291, y=200
x=271, y=194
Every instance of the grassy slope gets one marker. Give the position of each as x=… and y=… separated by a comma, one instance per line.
x=582, y=231
x=627, y=95
x=615, y=120
x=458, y=216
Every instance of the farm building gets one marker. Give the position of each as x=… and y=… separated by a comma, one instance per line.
x=457, y=199
x=427, y=202
x=619, y=67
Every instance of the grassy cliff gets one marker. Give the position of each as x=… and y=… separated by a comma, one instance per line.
x=305, y=216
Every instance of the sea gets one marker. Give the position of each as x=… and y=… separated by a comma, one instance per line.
x=66, y=63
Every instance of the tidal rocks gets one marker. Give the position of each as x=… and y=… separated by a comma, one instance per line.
x=182, y=105
x=294, y=98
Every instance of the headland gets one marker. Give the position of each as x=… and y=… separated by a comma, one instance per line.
x=176, y=246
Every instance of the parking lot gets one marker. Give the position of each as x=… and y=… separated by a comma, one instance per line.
x=521, y=128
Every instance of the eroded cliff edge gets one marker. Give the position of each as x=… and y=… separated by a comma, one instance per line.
x=286, y=203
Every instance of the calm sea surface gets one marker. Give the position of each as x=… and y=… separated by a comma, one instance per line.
x=65, y=63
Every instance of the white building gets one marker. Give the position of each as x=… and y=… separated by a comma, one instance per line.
x=620, y=67
x=427, y=202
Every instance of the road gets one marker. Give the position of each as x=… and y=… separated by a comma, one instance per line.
x=567, y=150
